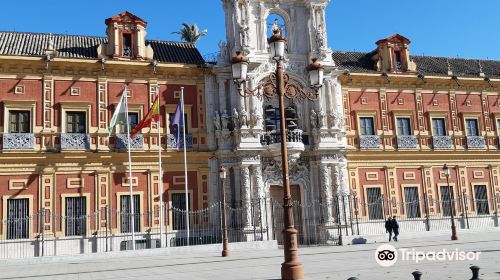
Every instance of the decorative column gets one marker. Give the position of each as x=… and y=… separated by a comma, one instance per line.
x=245, y=196
x=210, y=98
x=222, y=96
x=326, y=193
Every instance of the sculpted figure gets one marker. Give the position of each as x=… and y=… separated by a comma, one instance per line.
x=243, y=117
x=217, y=121
x=321, y=118
x=314, y=119
x=225, y=120
x=236, y=119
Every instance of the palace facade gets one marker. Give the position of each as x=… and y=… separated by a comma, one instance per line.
x=406, y=117
x=58, y=93
x=373, y=144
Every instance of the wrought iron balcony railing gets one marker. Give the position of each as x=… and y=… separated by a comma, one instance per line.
x=292, y=136
x=475, y=142
x=442, y=142
x=407, y=141
x=369, y=141
x=18, y=141
x=75, y=141
x=172, y=141
x=121, y=141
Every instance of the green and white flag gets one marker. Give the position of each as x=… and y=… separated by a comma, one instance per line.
x=119, y=116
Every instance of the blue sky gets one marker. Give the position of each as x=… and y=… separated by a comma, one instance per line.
x=463, y=28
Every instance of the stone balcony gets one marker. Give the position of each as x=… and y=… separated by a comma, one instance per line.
x=293, y=136
x=18, y=141
x=294, y=142
x=407, y=141
x=442, y=142
x=172, y=142
x=475, y=142
x=121, y=141
x=369, y=141
x=75, y=141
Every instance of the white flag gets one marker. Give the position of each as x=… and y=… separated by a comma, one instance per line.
x=120, y=114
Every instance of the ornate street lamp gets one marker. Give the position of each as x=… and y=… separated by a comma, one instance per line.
x=279, y=84
x=446, y=172
x=225, y=249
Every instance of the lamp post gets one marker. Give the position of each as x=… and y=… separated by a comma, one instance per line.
x=225, y=249
x=279, y=84
x=446, y=172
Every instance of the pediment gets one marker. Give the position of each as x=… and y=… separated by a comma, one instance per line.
x=395, y=39
x=126, y=17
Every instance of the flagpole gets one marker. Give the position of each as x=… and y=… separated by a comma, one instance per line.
x=132, y=212
x=185, y=165
x=161, y=171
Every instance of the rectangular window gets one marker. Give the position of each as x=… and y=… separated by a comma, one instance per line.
x=366, y=126
x=178, y=210
x=399, y=64
x=133, y=119
x=374, y=203
x=471, y=127
x=127, y=45
x=126, y=213
x=498, y=127
x=404, y=126
x=272, y=119
x=19, y=122
x=76, y=122
x=445, y=200
x=17, y=218
x=481, y=199
x=438, y=127
x=76, y=216
x=412, y=202
x=173, y=128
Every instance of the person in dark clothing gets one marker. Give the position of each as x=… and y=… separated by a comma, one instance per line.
x=395, y=228
x=388, y=227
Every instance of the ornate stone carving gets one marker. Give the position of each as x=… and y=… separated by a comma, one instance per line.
x=224, y=53
x=16, y=141
x=314, y=119
x=236, y=119
x=320, y=37
x=245, y=195
x=321, y=119
x=225, y=120
x=217, y=121
x=243, y=118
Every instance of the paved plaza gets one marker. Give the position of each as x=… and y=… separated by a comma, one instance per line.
x=332, y=262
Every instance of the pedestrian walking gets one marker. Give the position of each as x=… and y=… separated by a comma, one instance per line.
x=395, y=228
x=388, y=227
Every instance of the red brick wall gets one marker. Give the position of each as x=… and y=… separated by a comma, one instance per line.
x=88, y=94
x=32, y=92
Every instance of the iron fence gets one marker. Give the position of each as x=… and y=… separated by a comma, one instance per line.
x=317, y=222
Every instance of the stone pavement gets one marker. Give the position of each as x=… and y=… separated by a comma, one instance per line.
x=335, y=262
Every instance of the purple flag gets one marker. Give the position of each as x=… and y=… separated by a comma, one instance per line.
x=178, y=123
